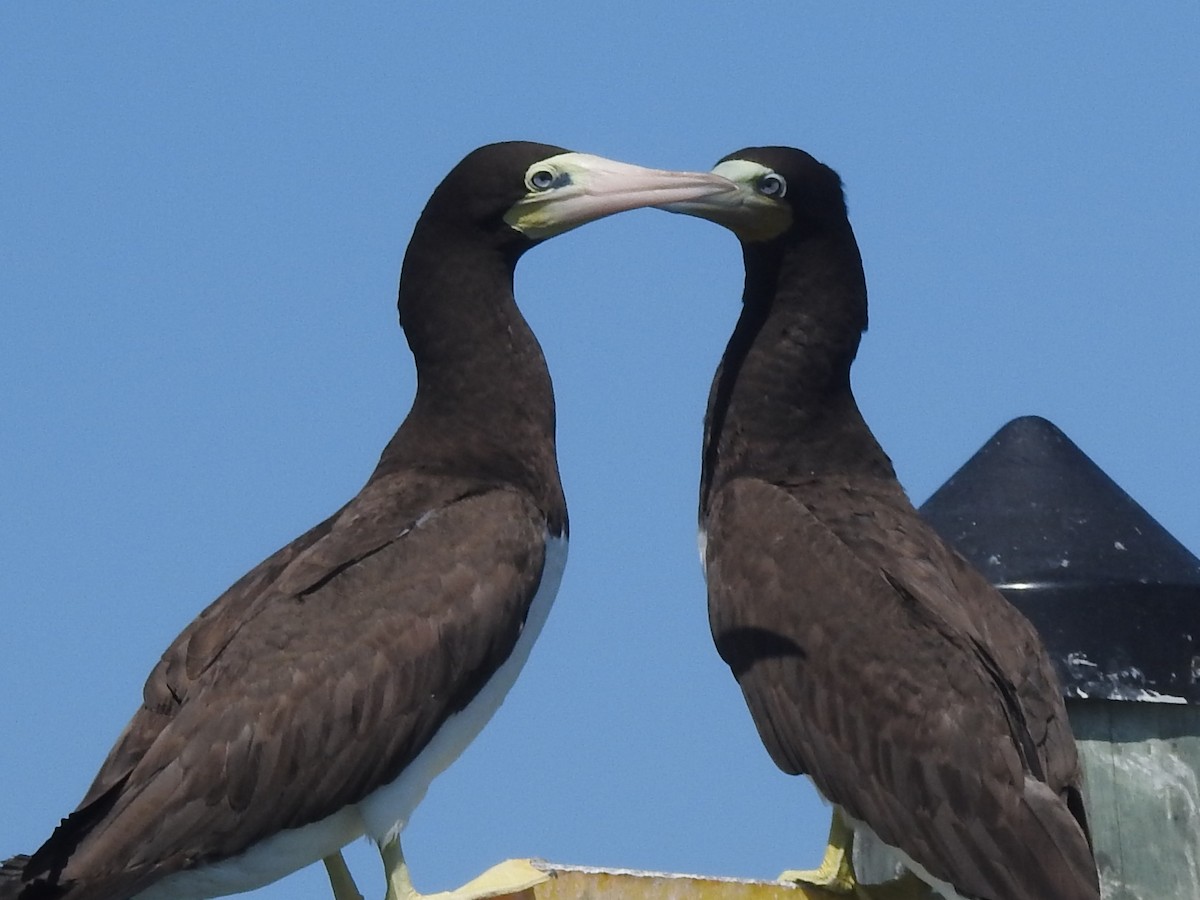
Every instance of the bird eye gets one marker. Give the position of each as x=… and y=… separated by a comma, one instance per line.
x=772, y=185
x=540, y=180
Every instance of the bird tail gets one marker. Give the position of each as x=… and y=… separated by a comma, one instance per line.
x=16, y=884
x=12, y=877
x=1064, y=844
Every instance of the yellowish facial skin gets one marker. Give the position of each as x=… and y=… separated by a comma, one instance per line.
x=754, y=208
x=749, y=213
x=570, y=189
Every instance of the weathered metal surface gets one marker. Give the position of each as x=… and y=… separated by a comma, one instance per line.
x=1114, y=596
x=1140, y=764
x=587, y=883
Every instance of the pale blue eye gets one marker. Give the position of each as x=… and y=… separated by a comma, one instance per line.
x=541, y=180
x=772, y=185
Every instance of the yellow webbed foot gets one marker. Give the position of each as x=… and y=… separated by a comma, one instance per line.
x=509, y=877
x=836, y=872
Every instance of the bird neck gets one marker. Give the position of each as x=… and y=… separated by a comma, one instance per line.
x=484, y=406
x=781, y=407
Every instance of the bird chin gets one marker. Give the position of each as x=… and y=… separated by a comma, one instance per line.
x=751, y=222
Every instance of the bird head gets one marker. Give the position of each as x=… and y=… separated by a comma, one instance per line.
x=779, y=191
x=528, y=192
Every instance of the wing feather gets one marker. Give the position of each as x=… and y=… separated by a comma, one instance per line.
x=327, y=668
x=914, y=696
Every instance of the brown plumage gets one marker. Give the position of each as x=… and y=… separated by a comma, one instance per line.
x=314, y=680
x=322, y=673
x=872, y=657
x=294, y=713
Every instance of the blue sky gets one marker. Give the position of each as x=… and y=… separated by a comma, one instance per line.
x=204, y=211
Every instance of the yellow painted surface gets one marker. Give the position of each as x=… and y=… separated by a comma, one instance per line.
x=585, y=883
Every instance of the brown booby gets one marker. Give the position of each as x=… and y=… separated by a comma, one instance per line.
x=872, y=657
x=316, y=699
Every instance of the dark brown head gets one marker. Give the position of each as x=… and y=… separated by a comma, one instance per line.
x=789, y=213
x=517, y=193
x=781, y=192
x=781, y=405
x=499, y=201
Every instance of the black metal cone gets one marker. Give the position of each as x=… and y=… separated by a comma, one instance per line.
x=1114, y=596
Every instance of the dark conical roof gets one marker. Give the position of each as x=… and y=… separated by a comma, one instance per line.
x=1115, y=597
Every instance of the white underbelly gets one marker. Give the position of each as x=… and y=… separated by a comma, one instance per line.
x=382, y=814
x=385, y=812
x=896, y=859
x=265, y=862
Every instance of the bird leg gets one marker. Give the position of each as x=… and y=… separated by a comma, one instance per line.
x=509, y=877
x=400, y=885
x=836, y=872
x=340, y=878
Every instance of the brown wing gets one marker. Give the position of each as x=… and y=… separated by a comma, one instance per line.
x=881, y=687
x=170, y=682
x=895, y=539
x=329, y=666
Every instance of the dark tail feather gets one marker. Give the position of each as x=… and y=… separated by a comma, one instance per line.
x=1064, y=845
x=12, y=877
x=15, y=883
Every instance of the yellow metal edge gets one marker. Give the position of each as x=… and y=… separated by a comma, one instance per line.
x=565, y=882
